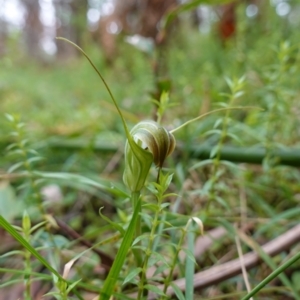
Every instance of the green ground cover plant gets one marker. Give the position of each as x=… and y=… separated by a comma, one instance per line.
x=152, y=221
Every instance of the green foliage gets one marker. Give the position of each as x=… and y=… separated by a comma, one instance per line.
x=70, y=133
x=112, y=277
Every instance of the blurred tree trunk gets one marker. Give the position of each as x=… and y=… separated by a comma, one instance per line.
x=124, y=17
x=66, y=26
x=79, y=20
x=33, y=29
x=152, y=11
x=140, y=17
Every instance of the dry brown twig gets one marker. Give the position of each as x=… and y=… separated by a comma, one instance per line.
x=106, y=260
x=232, y=268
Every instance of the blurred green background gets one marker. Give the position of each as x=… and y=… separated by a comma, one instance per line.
x=193, y=50
x=187, y=49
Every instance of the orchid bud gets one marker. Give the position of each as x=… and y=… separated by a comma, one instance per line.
x=153, y=143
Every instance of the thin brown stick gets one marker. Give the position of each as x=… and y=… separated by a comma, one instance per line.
x=232, y=268
x=106, y=260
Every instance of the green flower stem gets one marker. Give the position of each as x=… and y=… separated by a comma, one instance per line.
x=143, y=280
x=113, y=276
x=276, y=90
x=217, y=158
x=169, y=279
x=26, y=226
x=28, y=167
x=212, y=112
x=102, y=79
x=137, y=160
x=135, y=198
x=272, y=276
x=236, y=90
x=27, y=277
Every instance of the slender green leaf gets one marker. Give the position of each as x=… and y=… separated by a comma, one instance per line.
x=11, y=282
x=154, y=289
x=177, y=292
x=9, y=228
x=113, y=224
x=293, y=212
x=213, y=131
x=14, y=252
x=161, y=269
x=72, y=177
x=72, y=285
x=113, y=275
x=34, y=159
x=15, y=167
x=214, y=151
x=190, y=264
x=122, y=297
x=189, y=254
x=142, y=237
x=9, y=206
x=234, y=137
x=10, y=118
x=218, y=122
x=272, y=276
x=132, y=274
x=267, y=259
x=202, y=164
x=223, y=202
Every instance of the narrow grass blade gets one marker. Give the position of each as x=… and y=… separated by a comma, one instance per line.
x=112, y=277
x=273, y=275
x=177, y=291
x=190, y=266
x=9, y=228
